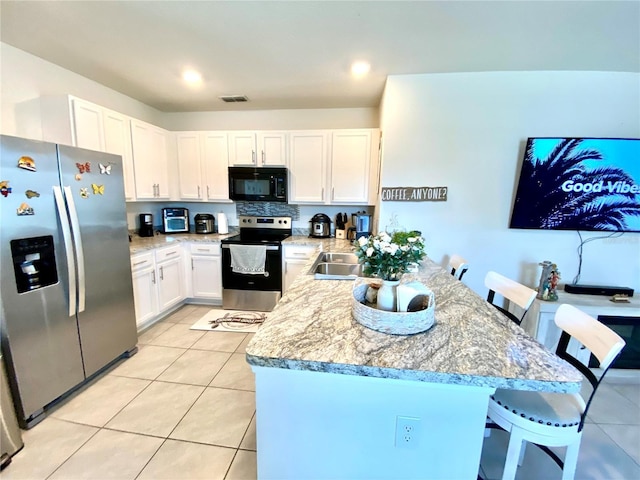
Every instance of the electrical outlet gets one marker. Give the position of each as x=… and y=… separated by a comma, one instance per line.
x=407, y=432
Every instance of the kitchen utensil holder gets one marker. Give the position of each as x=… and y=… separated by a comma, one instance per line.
x=395, y=323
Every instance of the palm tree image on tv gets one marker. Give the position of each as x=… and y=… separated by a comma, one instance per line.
x=562, y=192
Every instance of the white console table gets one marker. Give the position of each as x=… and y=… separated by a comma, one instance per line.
x=538, y=322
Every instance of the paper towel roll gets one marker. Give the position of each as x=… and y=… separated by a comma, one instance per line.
x=223, y=224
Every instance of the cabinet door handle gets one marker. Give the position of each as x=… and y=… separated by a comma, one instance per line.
x=263, y=159
x=192, y=267
x=139, y=263
x=208, y=194
x=153, y=279
x=198, y=191
x=333, y=193
x=171, y=253
x=299, y=254
x=322, y=196
x=161, y=273
x=253, y=156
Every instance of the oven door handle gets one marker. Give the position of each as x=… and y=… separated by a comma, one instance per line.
x=268, y=247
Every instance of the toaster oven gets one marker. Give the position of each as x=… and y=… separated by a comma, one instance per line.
x=175, y=220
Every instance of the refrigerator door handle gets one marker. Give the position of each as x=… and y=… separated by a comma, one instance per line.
x=66, y=235
x=77, y=243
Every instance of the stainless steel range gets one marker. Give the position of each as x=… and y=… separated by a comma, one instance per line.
x=252, y=264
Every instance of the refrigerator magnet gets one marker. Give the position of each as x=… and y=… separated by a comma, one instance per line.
x=25, y=209
x=105, y=169
x=97, y=189
x=84, y=167
x=31, y=193
x=78, y=177
x=5, y=189
x=84, y=192
x=27, y=163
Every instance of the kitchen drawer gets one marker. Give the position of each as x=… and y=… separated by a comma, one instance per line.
x=299, y=252
x=142, y=260
x=168, y=253
x=202, y=248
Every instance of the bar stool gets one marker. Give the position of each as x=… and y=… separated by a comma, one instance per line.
x=512, y=291
x=555, y=419
x=458, y=266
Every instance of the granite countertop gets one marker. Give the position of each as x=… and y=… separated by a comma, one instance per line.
x=140, y=244
x=471, y=343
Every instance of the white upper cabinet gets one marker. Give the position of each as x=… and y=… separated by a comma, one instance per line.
x=150, y=157
x=104, y=130
x=203, y=159
x=351, y=162
x=88, y=128
x=308, y=166
x=117, y=140
x=259, y=149
x=215, y=160
x=189, y=165
x=337, y=167
x=272, y=149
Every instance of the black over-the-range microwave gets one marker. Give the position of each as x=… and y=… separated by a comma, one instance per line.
x=251, y=184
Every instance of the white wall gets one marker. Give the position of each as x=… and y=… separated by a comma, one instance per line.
x=467, y=132
x=298, y=119
x=26, y=78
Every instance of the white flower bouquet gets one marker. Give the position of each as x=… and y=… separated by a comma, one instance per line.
x=389, y=256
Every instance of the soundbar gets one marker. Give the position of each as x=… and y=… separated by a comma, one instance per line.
x=598, y=290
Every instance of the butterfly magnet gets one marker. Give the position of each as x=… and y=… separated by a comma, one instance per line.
x=97, y=189
x=105, y=169
x=31, y=193
x=84, y=192
x=84, y=167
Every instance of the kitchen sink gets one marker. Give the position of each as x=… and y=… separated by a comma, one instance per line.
x=336, y=266
x=334, y=257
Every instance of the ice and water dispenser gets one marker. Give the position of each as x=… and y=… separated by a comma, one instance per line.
x=34, y=263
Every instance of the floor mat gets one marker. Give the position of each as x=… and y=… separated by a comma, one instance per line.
x=230, y=321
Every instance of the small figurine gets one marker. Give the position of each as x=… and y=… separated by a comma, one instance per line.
x=548, y=281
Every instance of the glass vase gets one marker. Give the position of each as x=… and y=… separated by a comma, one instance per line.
x=387, y=295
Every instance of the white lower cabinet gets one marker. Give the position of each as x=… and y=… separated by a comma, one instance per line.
x=206, y=270
x=169, y=270
x=158, y=282
x=145, y=291
x=294, y=259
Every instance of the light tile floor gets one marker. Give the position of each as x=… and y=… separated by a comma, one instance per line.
x=183, y=408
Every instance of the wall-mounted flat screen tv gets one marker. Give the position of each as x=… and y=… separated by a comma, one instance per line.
x=590, y=184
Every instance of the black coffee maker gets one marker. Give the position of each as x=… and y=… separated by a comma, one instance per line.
x=146, y=225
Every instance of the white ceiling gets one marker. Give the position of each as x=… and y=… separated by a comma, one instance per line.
x=297, y=54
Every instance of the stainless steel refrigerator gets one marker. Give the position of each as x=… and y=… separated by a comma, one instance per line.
x=67, y=295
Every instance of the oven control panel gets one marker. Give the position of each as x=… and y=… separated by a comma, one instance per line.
x=280, y=223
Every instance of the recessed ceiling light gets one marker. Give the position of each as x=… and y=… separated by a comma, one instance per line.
x=191, y=77
x=360, y=69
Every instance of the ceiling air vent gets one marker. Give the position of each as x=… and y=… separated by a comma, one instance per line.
x=233, y=98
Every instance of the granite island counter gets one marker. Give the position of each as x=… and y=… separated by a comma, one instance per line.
x=335, y=395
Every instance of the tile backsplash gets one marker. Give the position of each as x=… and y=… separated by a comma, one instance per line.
x=268, y=209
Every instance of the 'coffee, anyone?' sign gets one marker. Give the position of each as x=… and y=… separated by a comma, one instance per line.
x=414, y=194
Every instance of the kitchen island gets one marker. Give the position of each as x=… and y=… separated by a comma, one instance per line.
x=333, y=397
